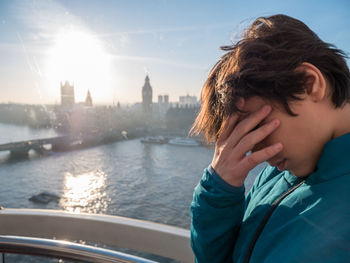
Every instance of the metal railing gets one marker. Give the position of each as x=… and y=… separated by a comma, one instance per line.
x=113, y=231
x=63, y=250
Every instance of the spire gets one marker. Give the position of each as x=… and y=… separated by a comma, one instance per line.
x=88, y=100
x=147, y=86
x=147, y=96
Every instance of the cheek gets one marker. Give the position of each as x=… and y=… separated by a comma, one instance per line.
x=263, y=144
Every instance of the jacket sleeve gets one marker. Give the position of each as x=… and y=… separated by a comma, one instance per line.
x=217, y=211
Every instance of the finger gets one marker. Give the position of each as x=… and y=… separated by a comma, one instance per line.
x=230, y=123
x=253, y=138
x=228, y=127
x=253, y=159
x=247, y=124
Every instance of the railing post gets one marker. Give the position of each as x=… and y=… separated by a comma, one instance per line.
x=3, y=257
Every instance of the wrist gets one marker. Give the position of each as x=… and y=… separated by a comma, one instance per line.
x=232, y=182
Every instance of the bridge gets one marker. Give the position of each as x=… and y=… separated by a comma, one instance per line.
x=21, y=149
x=67, y=142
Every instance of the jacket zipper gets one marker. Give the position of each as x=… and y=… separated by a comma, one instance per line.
x=266, y=218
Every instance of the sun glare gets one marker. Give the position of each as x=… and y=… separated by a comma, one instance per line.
x=85, y=192
x=80, y=58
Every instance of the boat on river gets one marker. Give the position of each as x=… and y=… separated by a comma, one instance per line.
x=45, y=233
x=154, y=139
x=44, y=198
x=180, y=141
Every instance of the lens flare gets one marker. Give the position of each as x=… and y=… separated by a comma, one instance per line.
x=80, y=58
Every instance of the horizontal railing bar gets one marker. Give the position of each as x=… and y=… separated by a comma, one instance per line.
x=65, y=250
x=154, y=238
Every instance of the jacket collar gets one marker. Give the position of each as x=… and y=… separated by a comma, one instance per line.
x=334, y=160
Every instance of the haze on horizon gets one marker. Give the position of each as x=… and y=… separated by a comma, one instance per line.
x=108, y=47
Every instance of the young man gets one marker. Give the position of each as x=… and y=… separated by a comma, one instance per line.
x=282, y=94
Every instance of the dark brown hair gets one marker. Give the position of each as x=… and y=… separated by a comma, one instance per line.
x=263, y=64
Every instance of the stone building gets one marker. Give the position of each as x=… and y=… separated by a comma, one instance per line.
x=147, y=98
x=67, y=95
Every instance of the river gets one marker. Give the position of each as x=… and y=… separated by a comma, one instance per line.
x=127, y=178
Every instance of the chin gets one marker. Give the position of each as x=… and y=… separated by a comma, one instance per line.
x=302, y=172
x=280, y=164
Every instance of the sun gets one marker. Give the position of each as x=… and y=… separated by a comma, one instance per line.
x=79, y=58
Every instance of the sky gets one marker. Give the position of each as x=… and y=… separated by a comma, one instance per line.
x=108, y=47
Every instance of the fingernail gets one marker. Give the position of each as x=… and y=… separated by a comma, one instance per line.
x=267, y=108
x=275, y=122
x=278, y=146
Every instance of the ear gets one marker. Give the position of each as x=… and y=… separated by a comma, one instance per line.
x=315, y=81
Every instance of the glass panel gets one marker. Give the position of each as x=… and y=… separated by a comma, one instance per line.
x=97, y=99
x=17, y=258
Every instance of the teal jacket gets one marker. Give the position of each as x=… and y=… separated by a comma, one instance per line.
x=309, y=224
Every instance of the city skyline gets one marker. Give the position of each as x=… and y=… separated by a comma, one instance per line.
x=108, y=47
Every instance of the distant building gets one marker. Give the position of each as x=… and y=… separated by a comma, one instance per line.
x=67, y=94
x=166, y=99
x=181, y=118
x=160, y=108
x=189, y=101
x=147, y=98
x=88, y=100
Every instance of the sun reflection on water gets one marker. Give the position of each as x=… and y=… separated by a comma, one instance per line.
x=85, y=193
